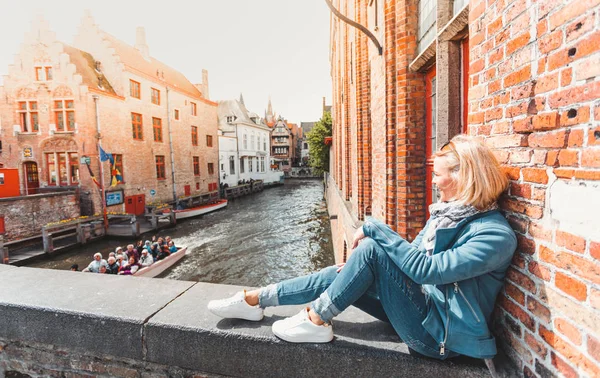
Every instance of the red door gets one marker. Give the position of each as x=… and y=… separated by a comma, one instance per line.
x=135, y=205
x=187, y=190
x=140, y=204
x=431, y=130
x=32, y=181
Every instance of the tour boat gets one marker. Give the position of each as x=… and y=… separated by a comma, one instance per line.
x=195, y=211
x=162, y=265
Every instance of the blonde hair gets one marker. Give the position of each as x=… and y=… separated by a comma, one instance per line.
x=475, y=170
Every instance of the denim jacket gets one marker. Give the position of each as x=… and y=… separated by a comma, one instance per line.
x=461, y=279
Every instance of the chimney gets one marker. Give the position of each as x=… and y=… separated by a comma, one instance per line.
x=140, y=42
x=205, y=84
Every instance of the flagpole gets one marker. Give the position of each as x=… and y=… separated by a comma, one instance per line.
x=99, y=146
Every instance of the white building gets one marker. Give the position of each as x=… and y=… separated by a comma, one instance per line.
x=244, y=145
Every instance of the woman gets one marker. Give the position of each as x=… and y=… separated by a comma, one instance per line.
x=438, y=292
x=130, y=268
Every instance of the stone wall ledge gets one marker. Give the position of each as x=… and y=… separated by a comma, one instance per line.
x=165, y=322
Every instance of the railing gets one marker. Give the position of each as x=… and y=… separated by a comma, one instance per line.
x=242, y=190
x=83, y=229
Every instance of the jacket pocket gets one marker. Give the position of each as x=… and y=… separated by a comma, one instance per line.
x=458, y=290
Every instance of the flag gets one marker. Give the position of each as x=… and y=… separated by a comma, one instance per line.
x=104, y=156
x=116, y=176
x=93, y=177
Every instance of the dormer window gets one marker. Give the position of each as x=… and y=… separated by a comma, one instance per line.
x=43, y=73
x=230, y=119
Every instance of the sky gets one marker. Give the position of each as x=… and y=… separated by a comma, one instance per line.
x=261, y=48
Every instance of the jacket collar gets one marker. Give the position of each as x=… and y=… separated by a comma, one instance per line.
x=446, y=237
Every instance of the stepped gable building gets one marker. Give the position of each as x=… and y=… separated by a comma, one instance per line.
x=522, y=75
x=60, y=100
x=244, y=144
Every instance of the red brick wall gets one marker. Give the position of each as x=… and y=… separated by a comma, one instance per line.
x=534, y=76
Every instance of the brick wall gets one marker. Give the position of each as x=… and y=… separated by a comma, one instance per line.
x=40, y=209
x=534, y=76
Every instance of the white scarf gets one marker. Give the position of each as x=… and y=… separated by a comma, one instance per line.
x=446, y=215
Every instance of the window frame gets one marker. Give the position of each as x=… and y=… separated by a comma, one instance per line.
x=194, y=135
x=211, y=168
x=157, y=129
x=176, y=115
x=232, y=165
x=63, y=110
x=155, y=96
x=137, y=128
x=194, y=108
x=135, y=85
x=209, y=140
x=28, y=116
x=196, y=163
x=49, y=73
x=159, y=161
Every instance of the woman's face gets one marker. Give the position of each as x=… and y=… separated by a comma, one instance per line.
x=132, y=260
x=442, y=179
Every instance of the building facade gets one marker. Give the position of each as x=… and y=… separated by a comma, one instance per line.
x=62, y=100
x=244, y=145
x=524, y=77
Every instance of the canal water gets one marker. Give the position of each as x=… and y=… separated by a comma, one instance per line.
x=266, y=237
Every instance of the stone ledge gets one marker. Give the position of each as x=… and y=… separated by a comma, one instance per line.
x=166, y=322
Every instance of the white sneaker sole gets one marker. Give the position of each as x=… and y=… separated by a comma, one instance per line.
x=253, y=316
x=313, y=339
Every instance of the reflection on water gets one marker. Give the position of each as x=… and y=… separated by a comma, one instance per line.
x=266, y=237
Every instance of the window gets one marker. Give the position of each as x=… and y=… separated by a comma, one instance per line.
x=249, y=164
x=252, y=141
x=157, y=129
x=427, y=22
x=232, y=165
x=134, y=89
x=209, y=141
x=73, y=168
x=176, y=114
x=64, y=115
x=194, y=136
x=242, y=165
x=119, y=165
x=431, y=130
x=48, y=73
x=38, y=73
x=197, y=166
x=160, y=167
x=375, y=12
x=257, y=165
x=264, y=144
x=230, y=119
x=262, y=163
x=63, y=168
x=28, y=116
x=136, y=125
x=211, y=169
x=193, y=105
x=245, y=142
x=155, y=96
x=197, y=186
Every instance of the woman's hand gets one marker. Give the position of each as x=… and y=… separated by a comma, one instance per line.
x=358, y=236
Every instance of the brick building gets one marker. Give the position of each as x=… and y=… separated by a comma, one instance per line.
x=522, y=75
x=59, y=100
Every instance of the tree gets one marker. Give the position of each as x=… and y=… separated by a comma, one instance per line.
x=318, y=151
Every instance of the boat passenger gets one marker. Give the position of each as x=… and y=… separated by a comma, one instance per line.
x=139, y=246
x=113, y=265
x=172, y=247
x=154, y=251
x=121, y=260
x=112, y=254
x=164, y=252
x=161, y=242
x=438, y=292
x=102, y=270
x=146, y=259
x=118, y=250
x=130, y=268
x=95, y=265
x=148, y=245
x=75, y=268
x=132, y=252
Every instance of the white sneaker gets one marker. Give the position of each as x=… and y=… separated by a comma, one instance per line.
x=299, y=329
x=236, y=307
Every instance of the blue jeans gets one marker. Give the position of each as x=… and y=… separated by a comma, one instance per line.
x=370, y=281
